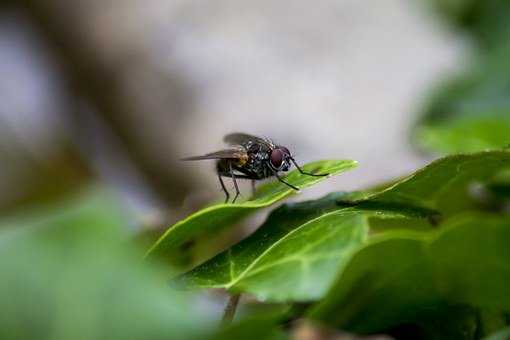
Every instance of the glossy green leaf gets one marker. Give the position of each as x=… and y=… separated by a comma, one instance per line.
x=298, y=266
x=219, y=216
x=404, y=277
x=294, y=255
x=442, y=187
x=273, y=262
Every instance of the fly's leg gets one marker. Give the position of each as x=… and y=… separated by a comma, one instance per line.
x=235, y=183
x=287, y=184
x=253, y=188
x=304, y=172
x=227, y=195
x=230, y=173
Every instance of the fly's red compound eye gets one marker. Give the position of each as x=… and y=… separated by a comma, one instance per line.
x=285, y=150
x=276, y=158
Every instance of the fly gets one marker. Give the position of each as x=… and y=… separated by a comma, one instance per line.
x=251, y=157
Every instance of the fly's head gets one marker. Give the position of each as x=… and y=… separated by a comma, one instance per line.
x=280, y=158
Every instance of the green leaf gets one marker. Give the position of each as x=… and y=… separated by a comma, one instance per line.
x=467, y=134
x=442, y=187
x=297, y=267
x=485, y=22
x=274, y=262
x=470, y=113
x=220, y=216
x=403, y=277
x=69, y=273
x=293, y=256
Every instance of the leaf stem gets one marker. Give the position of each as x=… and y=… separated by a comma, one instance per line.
x=230, y=309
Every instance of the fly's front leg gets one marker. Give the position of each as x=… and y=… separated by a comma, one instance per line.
x=287, y=184
x=304, y=172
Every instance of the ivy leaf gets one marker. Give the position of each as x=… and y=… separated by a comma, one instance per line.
x=297, y=267
x=294, y=255
x=402, y=277
x=219, y=216
x=442, y=187
x=274, y=263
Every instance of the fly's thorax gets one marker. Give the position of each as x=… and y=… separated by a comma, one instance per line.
x=257, y=158
x=242, y=160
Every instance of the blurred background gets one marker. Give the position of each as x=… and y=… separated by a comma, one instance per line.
x=112, y=94
x=118, y=91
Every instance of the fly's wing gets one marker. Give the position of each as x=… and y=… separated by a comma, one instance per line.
x=235, y=154
x=242, y=138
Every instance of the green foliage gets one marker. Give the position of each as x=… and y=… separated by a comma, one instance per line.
x=294, y=255
x=216, y=217
x=409, y=253
x=426, y=255
x=402, y=276
x=291, y=256
x=442, y=187
x=486, y=21
x=293, y=265
x=471, y=112
x=70, y=273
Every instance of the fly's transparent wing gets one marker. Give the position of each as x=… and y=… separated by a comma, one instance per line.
x=240, y=138
x=222, y=154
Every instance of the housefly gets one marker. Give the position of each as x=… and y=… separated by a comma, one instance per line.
x=251, y=157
